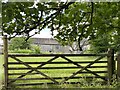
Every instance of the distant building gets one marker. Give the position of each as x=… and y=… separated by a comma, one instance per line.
x=50, y=45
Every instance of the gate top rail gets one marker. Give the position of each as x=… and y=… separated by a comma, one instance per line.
x=40, y=55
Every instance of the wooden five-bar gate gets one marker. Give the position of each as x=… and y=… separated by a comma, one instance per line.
x=56, y=69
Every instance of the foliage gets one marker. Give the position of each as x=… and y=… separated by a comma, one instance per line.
x=25, y=16
x=72, y=20
x=106, y=27
x=33, y=50
x=100, y=44
x=36, y=49
x=19, y=43
x=81, y=18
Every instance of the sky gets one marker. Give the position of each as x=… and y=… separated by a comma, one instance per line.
x=46, y=33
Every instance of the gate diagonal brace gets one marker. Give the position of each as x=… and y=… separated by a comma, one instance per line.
x=33, y=69
x=83, y=68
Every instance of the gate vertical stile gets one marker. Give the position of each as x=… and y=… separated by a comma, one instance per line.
x=111, y=64
x=5, y=51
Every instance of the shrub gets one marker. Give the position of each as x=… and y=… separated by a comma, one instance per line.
x=19, y=43
x=100, y=44
x=36, y=49
x=21, y=51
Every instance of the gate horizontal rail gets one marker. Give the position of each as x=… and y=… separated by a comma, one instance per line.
x=12, y=63
x=49, y=55
x=56, y=68
x=59, y=78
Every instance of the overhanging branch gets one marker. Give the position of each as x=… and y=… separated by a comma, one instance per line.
x=86, y=25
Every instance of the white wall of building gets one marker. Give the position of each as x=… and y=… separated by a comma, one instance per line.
x=1, y=44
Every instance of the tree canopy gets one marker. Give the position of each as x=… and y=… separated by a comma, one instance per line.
x=73, y=21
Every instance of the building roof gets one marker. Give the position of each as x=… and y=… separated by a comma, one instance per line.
x=45, y=41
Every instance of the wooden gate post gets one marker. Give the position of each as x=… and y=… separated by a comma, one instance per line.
x=111, y=64
x=118, y=66
x=5, y=51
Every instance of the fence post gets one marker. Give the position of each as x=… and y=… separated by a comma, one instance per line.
x=5, y=51
x=118, y=66
x=111, y=64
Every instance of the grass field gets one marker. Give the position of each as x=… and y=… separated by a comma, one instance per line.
x=53, y=72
